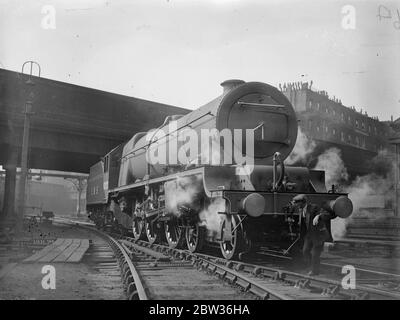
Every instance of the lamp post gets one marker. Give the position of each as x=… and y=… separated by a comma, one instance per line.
x=25, y=144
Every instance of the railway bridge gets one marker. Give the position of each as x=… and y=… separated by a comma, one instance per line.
x=71, y=126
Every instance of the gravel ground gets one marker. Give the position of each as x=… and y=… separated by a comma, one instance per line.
x=75, y=281
x=374, y=258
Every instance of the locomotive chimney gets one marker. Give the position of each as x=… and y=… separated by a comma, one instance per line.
x=228, y=85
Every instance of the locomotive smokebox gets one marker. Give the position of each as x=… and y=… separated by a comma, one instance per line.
x=341, y=206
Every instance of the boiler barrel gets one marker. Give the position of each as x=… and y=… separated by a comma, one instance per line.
x=257, y=107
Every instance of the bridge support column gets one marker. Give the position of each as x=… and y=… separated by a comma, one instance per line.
x=8, y=210
x=9, y=192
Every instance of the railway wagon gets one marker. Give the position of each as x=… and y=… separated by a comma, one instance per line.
x=215, y=176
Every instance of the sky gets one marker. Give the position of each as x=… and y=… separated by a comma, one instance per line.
x=178, y=51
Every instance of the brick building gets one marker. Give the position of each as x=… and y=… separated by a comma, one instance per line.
x=331, y=124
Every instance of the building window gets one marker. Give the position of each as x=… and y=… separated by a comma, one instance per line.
x=334, y=112
x=342, y=136
x=376, y=132
x=326, y=129
x=318, y=128
x=363, y=125
x=310, y=104
x=357, y=141
x=349, y=138
x=334, y=131
x=357, y=123
x=342, y=116
x=349, y=118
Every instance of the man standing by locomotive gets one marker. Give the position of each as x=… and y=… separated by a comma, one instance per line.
x=313, y=230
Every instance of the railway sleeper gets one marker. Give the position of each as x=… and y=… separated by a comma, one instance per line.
x=131, y=288
x=134, y=295
x=245, y=285
x=260, y=293
x=303, y=284
x=360, y=296
x=331, y=291
x=221, y=273
x=231, y=277
x=129, y=280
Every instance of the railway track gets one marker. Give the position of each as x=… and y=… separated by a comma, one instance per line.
x=268, y=282
x=148, y=275
x=376, y=282
x=155, y=271
x=167, y=276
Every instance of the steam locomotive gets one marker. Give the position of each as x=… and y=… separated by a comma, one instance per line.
x=215, y=176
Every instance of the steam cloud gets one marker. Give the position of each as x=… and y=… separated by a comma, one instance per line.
x=303, y=148
x=180, y=192
x=331, y=162
x=183, y=192
x=335, y=172
x=210, y=218
x=365, y=191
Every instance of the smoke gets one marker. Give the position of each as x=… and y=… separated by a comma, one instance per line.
x=180, y=192
x=383, y=164
x=210, y=218
x=184, y=191
x=331, y=162
x=367, y=192
x=369, y=186
x=303, y=148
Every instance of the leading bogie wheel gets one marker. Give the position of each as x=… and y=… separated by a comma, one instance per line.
x=151, y=232
x=174, y=233
x=231, y=248
x=195, y=237
x=137, y=228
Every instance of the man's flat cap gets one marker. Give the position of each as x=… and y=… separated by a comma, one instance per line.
x=300, y=198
